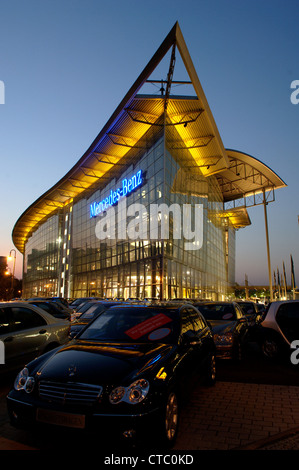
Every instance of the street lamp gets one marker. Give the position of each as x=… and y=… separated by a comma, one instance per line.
x=12, y=258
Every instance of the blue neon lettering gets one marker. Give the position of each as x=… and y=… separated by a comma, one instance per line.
x=127, y=186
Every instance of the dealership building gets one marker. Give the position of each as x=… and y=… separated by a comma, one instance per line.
x=153, y=206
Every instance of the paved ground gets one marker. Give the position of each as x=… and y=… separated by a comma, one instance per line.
x=228, y=416
x=241, y=416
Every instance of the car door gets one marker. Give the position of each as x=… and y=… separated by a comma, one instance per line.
x=203, y=332
x=241, y=324
x=287, y=318
x=191, y=344
x=25, y=336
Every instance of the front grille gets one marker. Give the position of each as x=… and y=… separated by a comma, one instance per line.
x=69, y=393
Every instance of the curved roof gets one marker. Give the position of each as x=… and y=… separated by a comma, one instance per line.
x=237, y=173
x=246, y=176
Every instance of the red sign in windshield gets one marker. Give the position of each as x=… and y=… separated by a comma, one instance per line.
x=148, y=325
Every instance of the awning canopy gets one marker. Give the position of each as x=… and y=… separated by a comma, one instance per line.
x=246, y=176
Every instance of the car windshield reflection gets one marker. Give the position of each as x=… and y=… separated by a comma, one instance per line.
x=132, y=325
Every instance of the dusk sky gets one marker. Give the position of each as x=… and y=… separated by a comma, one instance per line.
x=66, y=65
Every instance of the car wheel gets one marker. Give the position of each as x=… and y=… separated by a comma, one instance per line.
x=270, y=347
x=211, y=373
x=170, y=420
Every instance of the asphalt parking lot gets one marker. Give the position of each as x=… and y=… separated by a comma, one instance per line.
x=254, y=405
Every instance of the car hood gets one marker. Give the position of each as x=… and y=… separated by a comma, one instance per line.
x=221, y=327
x=90, y=362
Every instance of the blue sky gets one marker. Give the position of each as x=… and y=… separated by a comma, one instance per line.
x=66, y=65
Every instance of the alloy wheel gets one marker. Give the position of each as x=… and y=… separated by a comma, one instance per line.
x=171, y=417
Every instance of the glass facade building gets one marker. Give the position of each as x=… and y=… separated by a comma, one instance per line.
x=152, y=207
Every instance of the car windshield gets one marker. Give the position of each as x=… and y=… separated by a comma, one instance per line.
x=217, y=312
x=133, y=325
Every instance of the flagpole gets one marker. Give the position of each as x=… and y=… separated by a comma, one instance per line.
x=293, y=278
x=268, y=246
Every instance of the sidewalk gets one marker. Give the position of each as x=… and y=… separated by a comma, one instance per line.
x=240, y=416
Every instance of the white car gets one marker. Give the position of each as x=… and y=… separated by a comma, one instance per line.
x=279, y=327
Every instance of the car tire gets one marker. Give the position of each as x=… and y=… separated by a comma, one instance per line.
x=270, y=346
x=211, y=372
x=169, y=420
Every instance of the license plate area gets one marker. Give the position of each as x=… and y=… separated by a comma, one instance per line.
x=59, y=418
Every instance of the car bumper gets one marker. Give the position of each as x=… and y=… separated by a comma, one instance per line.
x=24, y=414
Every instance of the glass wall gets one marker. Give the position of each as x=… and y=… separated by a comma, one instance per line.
x=42, y=259
x=200, y=273
x=150, y=267
x=77, y=254
x=119, y=268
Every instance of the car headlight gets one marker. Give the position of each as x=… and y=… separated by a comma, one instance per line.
x=135, y=393
x=24, y=382
x=223, y=339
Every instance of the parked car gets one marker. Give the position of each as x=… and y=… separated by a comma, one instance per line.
x=52, y=308
x=26, y=332
x=77, y=312
x=250, y=310
x=93, y=309
x=229, y=326
x=278, y=328
x=59, y=300
x=125, y=372
x=261, y=308
x=75, y=303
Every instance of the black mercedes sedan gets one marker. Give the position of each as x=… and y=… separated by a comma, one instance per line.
x=229, y=326
x=126, y=372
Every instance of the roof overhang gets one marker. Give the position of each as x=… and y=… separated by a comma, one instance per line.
x=246, y=176
x=238, y=217
x=132, y=119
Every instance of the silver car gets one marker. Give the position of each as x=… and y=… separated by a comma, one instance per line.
x=26, y=332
